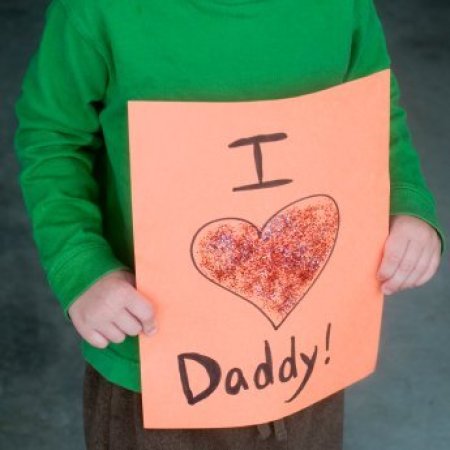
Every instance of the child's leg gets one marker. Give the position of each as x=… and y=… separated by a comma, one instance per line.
x=113, y=421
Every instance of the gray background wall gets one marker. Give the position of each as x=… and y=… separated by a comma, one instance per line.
x=405, y=404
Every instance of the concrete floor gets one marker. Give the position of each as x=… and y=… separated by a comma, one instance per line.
x=404, y=405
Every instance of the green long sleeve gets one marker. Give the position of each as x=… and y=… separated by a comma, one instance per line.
x=57, y=141
x=410, y=193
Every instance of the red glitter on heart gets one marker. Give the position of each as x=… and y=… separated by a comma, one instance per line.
x=275, y=266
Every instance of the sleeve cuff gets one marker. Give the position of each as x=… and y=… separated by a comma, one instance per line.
x=79, y=271
x=409, y=200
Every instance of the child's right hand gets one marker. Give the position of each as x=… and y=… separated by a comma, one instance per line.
x=111, y=309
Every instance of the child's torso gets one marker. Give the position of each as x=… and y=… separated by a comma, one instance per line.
x=226, y=49
x=210, y=50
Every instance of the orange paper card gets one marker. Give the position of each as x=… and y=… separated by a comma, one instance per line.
x=258, y=230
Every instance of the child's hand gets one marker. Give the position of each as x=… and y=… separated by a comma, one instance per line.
x=412, y=254
x=111, y=309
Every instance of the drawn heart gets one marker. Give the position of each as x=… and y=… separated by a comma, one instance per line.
x=273, y=267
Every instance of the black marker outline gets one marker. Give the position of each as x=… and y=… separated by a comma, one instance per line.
x=259, y=232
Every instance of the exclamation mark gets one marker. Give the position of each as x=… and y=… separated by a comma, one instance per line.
x=327, y=342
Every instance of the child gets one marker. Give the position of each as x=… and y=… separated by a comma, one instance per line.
x=72, y=144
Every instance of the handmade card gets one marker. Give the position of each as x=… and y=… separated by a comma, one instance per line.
x=259, y=227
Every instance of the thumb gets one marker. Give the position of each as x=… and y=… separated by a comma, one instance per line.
x=142, y=308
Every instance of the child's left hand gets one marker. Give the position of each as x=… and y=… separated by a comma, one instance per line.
x=412, y=254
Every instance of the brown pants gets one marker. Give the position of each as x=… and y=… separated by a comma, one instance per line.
x=113, y=421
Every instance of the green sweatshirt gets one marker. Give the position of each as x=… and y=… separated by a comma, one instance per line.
x=95, y=55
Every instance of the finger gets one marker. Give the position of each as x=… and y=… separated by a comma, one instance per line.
x=96, y=339
x=112, y=333
x=431, y=270
x=420, y=267
x=393, y=255
x=406, y=266
x=143, y=311
x=128, y=323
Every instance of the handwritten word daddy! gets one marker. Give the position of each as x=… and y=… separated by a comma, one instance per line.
x=293, y=367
